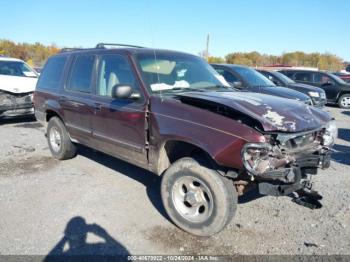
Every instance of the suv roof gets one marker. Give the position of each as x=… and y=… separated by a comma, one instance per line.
x=102, y=47
x=6, y=58
x=231, y=65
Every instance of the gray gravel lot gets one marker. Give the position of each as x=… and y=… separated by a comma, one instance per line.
x=121, y=213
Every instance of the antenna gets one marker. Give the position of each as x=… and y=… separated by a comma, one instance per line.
x=207, y=48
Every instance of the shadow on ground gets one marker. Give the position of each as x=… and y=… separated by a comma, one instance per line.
x=74, y=245
x=17, y=119
x=346, y=113
x=250, y=196
x=149, y=179
x=344, y=133
x=341, y=154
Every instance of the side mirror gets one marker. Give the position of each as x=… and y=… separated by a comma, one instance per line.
x=124, y=91
x=237, y=84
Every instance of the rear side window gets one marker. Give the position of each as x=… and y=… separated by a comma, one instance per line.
x=81, y=74
x=52, y=73
x=305, y=77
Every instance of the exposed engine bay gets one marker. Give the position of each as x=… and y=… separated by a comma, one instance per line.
x=285, y=162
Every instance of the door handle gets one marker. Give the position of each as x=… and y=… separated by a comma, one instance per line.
x=62, y=99
x=97, y=107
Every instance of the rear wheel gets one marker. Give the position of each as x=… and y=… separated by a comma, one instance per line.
x=60, y=145
x=198, y=199
x=344, y=101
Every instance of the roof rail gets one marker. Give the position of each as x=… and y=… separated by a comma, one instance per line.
x=103, y=45
x=68, y=49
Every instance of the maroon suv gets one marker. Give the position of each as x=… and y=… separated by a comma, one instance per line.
x=172, y=114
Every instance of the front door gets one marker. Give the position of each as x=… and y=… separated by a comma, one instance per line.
x=119, y=125
x=327, y=84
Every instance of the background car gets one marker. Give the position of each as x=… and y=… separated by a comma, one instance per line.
x=317, y=95
x=247, y=79
x=345, y=77
x=17, y=84
x=337, y=90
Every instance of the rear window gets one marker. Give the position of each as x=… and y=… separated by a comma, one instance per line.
x=81, y=74
x=52, y=73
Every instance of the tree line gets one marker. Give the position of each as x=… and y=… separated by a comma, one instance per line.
x=36, y=55
x=326, y=61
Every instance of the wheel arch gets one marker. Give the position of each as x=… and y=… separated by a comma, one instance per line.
x=174, y=149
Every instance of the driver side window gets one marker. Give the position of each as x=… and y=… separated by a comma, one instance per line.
x=322, y=79
x=114, y=70
x=229, y=77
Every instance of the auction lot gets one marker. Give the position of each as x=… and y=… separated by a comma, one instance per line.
x=41, y=198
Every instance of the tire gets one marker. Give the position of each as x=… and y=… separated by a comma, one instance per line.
x=344, y=101
x=60, y=145
x=196, y=198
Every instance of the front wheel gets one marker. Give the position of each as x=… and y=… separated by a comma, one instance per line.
x=344, y=101
x=198, y=199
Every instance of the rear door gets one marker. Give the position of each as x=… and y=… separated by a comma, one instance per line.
x=75, y=99
x=119, y=125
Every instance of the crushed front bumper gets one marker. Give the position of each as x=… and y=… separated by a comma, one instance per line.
x=285, y=181
x=16, y=102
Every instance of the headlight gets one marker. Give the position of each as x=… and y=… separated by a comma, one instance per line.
x=259, y=158
x=330, y=134
x=314, y=94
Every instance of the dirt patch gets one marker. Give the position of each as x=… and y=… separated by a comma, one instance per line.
x=180, y=241
x=27, y=166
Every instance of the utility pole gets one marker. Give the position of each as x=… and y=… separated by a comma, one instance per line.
x=207, y=49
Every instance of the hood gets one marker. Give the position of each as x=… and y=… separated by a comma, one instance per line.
x=17, y=84
x=274, y=113
x=305, y=88
x=284, y=92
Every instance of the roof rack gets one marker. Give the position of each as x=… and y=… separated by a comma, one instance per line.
x=103, y=45
x=68, y=49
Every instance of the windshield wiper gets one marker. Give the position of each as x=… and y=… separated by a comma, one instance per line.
x=226, y=88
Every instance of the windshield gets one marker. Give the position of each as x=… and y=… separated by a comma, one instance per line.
x=283, y=78
x=16, y=68
x=253, y=77
x=174, y=72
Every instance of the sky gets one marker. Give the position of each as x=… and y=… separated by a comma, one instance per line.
x=266, y=26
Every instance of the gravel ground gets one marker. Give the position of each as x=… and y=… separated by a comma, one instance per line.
x=117, y=208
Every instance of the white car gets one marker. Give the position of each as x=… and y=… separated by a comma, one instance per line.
x=17, y=84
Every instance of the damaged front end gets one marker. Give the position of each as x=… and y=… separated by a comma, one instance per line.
x=285, y=162
x=16, y=102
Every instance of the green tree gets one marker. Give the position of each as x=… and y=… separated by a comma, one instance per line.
x=216, y=60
